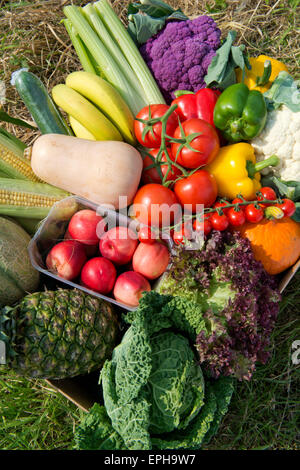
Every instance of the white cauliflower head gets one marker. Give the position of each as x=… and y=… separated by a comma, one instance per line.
x=280, y=136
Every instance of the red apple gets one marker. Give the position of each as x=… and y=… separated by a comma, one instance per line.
x=129, y=287
x=99, y=274
x=91, y=250
x=151, y=260
x=86, y=227
x=66, y=259
x=118, y=245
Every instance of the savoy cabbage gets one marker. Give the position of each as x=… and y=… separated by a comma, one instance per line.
x=155, y=393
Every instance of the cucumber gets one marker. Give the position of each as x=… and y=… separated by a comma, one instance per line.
x=38, y=102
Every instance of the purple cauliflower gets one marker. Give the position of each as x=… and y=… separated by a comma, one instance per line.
x=179, y=55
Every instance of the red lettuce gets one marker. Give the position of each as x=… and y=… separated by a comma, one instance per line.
x=235, y=297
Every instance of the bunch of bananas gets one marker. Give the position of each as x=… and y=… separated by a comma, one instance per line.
x=95, y=108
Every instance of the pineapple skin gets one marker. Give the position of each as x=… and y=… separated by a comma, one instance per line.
x=59, y=334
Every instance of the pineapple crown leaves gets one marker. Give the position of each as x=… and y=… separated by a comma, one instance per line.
x=8, y=330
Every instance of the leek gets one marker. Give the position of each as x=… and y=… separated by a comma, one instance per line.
x=130, y=51
x=115, y=52
x=107, y=65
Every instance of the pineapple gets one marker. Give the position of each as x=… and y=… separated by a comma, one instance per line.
x=58, y=334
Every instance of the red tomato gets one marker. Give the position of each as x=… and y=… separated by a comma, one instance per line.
x=198, y=188
x=155, y=205
x=221, y=206
x=254, y=214
x=152, y=175
x=203, y=225
x=267, y=193
x=205, y=146
x=219, y=222
x=146, y=235
x=238, y=200
x=288, y=207
x=152, y=138
x=182, y=234
x=236, y=218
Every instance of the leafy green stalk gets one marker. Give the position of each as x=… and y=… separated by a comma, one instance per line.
x=147, y=17
x=221, y=71
x=284, y=91
x=130, y=51
x=110, y=70
x=79, y=47
x=115, y=52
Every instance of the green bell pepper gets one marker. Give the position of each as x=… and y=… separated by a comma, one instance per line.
x=240, y=113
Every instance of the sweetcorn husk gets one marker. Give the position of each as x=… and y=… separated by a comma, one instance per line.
x=31, y=35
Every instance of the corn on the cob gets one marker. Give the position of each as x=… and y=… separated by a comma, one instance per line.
x=20, y=198
x=12, y=162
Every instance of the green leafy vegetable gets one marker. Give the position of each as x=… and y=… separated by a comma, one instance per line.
x=296, y=215
x=155, y=394
x=221, y=71
x=284, y=90
x=147, y=17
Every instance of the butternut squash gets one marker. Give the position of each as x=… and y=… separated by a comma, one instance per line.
x=100, y=171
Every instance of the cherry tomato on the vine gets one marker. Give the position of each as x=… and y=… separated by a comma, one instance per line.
x=254, y=214
x=219, y=222
x=151, y=175
x=267, y=193
x=152, y=138
x=198, y=188
x=182, y=234
x=203, y=225
x=236, y=218
x=204, y=147
x=222, y=205
x=288, y=207
x=238, y=200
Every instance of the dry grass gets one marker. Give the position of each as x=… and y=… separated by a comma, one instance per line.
x=31, y=35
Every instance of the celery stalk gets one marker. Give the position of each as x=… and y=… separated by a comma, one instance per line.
x=108, y=66
x=79, y=47
x=115, y=52
x=130, y=51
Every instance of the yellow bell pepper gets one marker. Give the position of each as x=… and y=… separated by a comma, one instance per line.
x=236, y=171
x=257, y=71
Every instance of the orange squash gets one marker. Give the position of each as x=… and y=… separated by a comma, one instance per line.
x=276, y=243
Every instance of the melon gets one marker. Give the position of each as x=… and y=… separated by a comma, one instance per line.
x=17, y=275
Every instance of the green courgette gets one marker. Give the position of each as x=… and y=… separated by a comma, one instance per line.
x=38, y=102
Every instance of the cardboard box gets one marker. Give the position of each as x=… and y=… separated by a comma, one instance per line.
x=84, y=391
